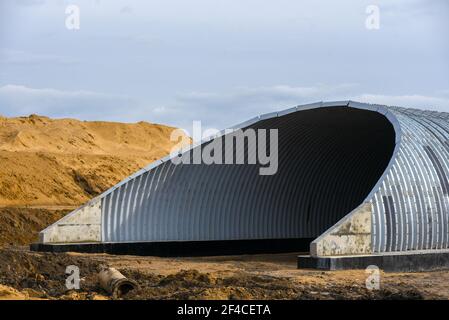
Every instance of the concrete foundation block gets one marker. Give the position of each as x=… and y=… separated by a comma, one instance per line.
x=412, y=261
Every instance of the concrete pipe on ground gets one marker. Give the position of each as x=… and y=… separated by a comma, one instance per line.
x=115, y=283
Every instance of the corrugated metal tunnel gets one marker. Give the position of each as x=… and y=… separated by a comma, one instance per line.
x=357, y=178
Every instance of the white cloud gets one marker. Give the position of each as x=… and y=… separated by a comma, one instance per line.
x=29, y=2
x=22, y=100
x=220, y=110
x=444, y=92
x=214, y=109
x=126, y=10
x=407, y=101
x=20, y=57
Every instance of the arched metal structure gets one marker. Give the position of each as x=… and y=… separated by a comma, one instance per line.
x=360, y=178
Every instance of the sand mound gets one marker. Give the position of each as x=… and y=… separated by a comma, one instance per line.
x=69, y=136
x=66, y=162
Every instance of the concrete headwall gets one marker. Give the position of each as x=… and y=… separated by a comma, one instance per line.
x=82, y=225
x=351, y=235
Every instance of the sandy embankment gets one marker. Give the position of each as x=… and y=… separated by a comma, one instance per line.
x=66, y=162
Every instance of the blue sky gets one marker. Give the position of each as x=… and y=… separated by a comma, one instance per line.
x=218, y=61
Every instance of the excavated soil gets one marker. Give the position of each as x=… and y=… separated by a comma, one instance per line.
x=43, y=275
x=51, y=162
x=32, y=275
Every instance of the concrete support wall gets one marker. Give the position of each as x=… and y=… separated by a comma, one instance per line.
x=82, y=225
x=351, y=235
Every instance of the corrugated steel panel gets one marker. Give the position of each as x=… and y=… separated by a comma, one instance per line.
x=411, y=208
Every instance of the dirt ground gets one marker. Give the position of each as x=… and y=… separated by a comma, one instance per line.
x=32, y=275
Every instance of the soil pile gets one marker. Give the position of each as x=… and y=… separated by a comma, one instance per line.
x=67, y=162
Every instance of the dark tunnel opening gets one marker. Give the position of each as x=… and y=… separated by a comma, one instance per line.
x=330, y=159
